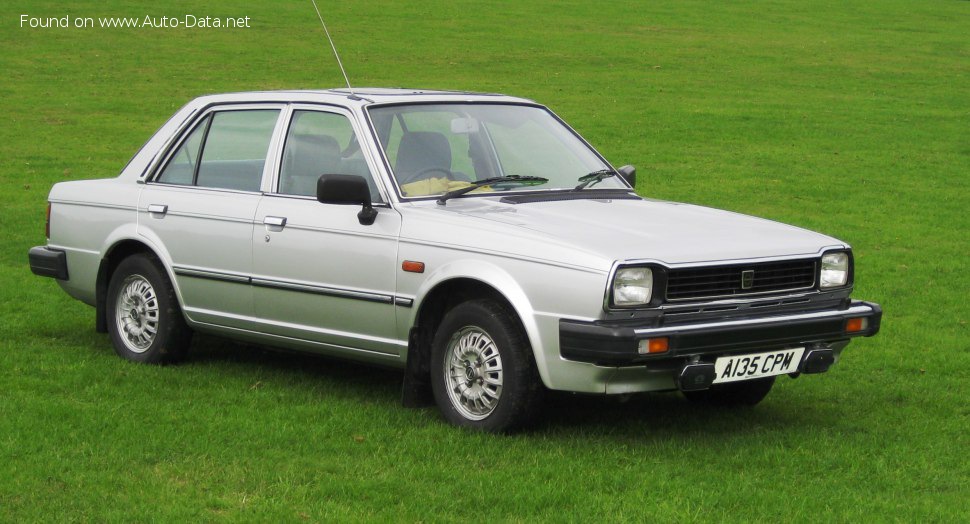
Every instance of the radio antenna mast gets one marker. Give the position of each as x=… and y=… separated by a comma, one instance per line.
x=339, y=63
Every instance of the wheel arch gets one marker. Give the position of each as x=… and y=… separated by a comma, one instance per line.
x=113, y=254
x=448, y=287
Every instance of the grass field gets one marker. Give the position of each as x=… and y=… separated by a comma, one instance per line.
x=851, y=118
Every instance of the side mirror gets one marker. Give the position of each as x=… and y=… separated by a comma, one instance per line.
x=347, y=190
x=628, y=173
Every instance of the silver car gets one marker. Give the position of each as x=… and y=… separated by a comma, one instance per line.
x=475, y=241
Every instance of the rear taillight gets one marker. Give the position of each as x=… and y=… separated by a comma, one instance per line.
x=47, y=225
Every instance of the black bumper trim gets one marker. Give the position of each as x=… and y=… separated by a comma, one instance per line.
x=616, y=344
x=48, y=262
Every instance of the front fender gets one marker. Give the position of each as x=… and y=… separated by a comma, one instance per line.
x=501, y=281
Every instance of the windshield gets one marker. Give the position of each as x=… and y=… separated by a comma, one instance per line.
x=435, y=149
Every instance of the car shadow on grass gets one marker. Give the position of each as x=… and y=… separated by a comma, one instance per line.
x=667, y=413
x=635, y=416
x=294, y=368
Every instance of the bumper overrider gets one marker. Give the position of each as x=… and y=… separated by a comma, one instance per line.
x=48, y=262
x=689, y=350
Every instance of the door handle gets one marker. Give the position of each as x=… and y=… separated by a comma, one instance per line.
x=279, y=222
x=157, y=209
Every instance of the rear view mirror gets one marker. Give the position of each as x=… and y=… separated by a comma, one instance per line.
x=628, y=173
x=347, y=190
x=464, y=126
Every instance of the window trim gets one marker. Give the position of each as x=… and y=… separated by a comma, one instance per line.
x=190, y=126
x=360, y=131
x=182, y=141
x=198, y=154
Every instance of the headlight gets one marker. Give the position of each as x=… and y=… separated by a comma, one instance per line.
x=835, y=270
x=632, y=286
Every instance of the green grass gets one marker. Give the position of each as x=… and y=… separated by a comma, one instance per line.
x=848, y=118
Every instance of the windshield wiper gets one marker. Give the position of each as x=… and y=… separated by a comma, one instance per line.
x=524, y=180
x=593, y=178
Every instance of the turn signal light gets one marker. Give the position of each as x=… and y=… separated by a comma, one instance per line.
x=413, y=267
x=47, y=226
x=650, y=346
x=854, y=325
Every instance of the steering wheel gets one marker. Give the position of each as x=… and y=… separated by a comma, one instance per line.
x=420, y=175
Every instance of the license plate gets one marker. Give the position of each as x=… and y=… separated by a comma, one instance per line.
x=755, y=365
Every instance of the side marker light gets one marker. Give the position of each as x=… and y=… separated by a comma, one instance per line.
x=413, y=267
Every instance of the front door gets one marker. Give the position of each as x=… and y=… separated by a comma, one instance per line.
x=318, y=273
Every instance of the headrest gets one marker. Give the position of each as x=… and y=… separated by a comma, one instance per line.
x=311, y=155
x=419, y=151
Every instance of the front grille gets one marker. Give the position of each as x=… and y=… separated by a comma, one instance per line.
x=740, y=280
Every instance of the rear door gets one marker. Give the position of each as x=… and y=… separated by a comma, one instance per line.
x=201, y=206
x=318, y=273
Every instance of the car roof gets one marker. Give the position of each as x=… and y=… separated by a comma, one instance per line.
x=360, y=97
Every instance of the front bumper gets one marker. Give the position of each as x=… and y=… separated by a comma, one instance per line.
x=616, y=343
x=48, y=262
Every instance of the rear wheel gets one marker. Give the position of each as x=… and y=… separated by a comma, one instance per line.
x=144, y=318
x=746, y=393
x=483, y=373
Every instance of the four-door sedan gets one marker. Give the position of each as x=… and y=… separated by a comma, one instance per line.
x=475, y=241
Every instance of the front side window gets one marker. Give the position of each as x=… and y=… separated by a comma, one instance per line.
x=225, y=150
x=436, y=148
x=321, y=143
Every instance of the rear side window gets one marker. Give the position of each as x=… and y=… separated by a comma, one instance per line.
x=226, y=150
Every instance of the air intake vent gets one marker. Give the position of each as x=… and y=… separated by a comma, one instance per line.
x=740, y=280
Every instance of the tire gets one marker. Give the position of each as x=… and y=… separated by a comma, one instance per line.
x=144, y=318
x=482, y=371
x=746, y=393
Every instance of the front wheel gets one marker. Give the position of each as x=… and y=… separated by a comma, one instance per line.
x=144, y=318
x=745, y=393
x=483, y=373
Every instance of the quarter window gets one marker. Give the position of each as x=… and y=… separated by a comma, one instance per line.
x=181, y=168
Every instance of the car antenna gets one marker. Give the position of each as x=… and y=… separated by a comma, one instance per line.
x=353, y=96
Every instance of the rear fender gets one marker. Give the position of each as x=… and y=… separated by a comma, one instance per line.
x=121, y=235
